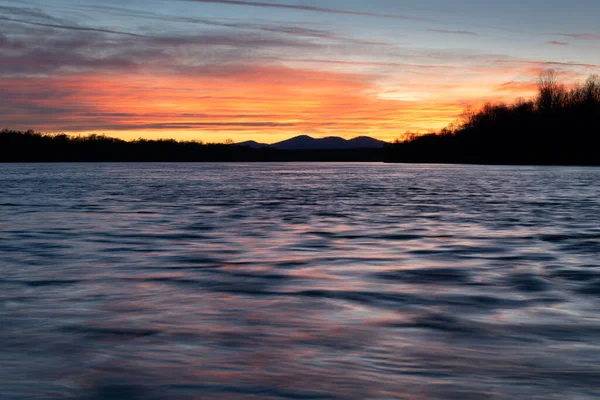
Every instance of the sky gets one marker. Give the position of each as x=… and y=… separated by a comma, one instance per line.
x=268, y=70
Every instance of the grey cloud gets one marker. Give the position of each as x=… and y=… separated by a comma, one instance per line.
x=31, y=52
x=69, y=27
x=548, y=64
x=589, y=36
x=23, y=12
x=272, y=28
x=453, y=32
x=306, y=8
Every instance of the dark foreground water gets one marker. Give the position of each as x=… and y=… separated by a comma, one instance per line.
x=299, y=281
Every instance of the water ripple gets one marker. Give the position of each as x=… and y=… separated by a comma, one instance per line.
x=298, y=281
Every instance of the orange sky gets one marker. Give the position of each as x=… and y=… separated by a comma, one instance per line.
x=263, y=103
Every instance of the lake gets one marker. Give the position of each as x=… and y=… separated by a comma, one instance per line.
x=299, y=281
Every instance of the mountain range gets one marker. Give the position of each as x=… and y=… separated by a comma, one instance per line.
x=305, y=142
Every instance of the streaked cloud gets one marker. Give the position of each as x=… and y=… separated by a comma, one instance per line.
x=557, y=43
x=588, y=36
x=291, y=30
x=306, y=8
x=453, y=32
x=27, y=12
x=262, y=102
x=519, y=86
x=69, y=27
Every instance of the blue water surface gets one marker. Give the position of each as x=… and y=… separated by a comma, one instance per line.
x=299, y=281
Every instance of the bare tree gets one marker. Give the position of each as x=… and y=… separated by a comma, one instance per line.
x=551, y=91
x=465, y=119
x=592, y=89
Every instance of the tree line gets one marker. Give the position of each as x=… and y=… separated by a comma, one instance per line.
x=559, y=126
x=29, y=146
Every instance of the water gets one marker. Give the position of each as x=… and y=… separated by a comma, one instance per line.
x=299, y=281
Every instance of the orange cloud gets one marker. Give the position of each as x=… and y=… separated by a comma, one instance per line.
x=519, y=87
x=266, y=103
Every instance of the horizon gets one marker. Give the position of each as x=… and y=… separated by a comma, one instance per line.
x=311, y=137
x=221, y=142
x=269, y=71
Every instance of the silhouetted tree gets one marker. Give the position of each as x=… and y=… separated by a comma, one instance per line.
x=559, y=126
x=551, y=93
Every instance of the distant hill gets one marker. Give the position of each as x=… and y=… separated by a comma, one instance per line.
x=364, y=142
x=305, y=142
x=252, y=144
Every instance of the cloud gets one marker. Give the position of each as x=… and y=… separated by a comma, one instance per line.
x=31, y=47
x=453, y=32
x=376, y=64
x=518, y=86
x=70, y=27
x=549, y=64
x=130, y=126
x=307, y=8
x=557, y=43
x=316, y=33
x=29, y=51
x=589, y=36
x=272, y=28
x=256, y=101
x=23, y=12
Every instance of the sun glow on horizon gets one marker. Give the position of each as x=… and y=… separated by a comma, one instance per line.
x=266, y=104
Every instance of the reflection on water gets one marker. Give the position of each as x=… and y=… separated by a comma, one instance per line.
x=298, y=281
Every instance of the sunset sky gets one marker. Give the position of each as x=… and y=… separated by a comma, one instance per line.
x=272, y=69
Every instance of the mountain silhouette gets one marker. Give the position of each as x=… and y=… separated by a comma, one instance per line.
x=305, y=142
x=364, y=142
x=252, y=144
